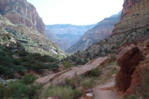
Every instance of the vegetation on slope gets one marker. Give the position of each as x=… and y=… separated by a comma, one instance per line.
x=12, y=62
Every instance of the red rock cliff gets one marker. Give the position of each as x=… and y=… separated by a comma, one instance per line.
x=126, y=6
x=22, y=12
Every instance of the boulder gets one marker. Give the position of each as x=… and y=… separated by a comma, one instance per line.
x=127, y=59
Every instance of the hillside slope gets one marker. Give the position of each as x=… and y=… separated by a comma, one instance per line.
x=132, y=28
x=101, y=31
x=20, y=22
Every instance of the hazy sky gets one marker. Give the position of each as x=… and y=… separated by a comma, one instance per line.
x=78, y=12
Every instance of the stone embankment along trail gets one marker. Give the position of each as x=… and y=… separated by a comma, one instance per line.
x=60, y=77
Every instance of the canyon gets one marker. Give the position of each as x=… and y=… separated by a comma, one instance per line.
x=66, y=35
x=99, y=32
x=113, y=54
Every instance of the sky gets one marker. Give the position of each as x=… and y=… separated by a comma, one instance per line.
x=78, y=12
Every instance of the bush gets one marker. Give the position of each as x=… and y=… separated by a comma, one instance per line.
x=10, y=66
x=87, y=83
x=15, y=90
x=67, y=64
x=63, y=92
x=18, y=90
x=28, y=79
x=33, y=92
x=74, y=82
x=95, y=72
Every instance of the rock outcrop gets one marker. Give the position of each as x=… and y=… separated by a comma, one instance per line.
x=22, y=13
x=101, y=31
x=126, y=6
x=128, y=59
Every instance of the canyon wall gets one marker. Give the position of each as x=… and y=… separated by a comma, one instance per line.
x=101, y=31
x=23, y=13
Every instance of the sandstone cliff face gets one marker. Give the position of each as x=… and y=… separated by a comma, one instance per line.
x=126, y=6
x=101, y=31
x=128, y=59
x=22, y=12
x=134, y=16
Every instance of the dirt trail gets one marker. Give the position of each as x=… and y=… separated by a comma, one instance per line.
x=60, y=77
x=106, y=91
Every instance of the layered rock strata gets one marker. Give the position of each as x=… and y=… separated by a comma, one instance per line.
x=101, y=31
x=23, y=13
x=128, y=59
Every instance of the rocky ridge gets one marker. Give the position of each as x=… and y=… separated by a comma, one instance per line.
x=132, y=28
x=22, y=12
x=26, y=28
x=101, y=31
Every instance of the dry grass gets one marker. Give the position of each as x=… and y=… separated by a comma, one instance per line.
x=109, y=70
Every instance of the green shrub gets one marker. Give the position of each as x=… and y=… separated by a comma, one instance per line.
x=63, y=92
x=18, y=90
x=74, y=82
x=67, y=64
x=23, y=53
x=10, y=66
x=28, y=79
x=87, y=83
x=15, y=90
x=33, y=92
x=79, y=61
x=95, y=72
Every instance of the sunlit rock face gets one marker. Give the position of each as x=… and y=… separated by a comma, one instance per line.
x=23, y=13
